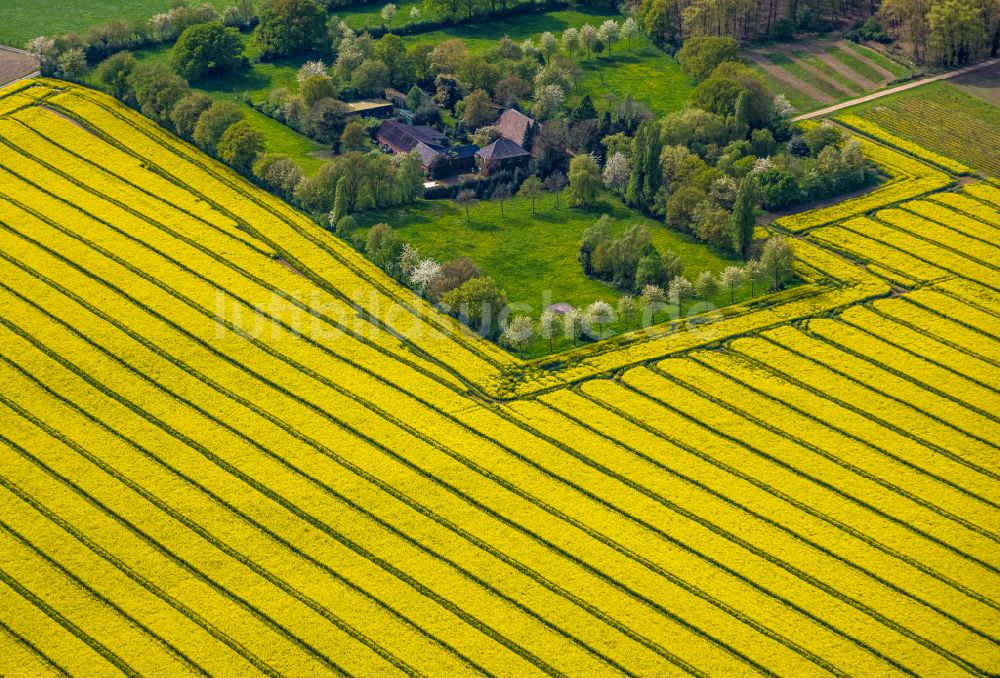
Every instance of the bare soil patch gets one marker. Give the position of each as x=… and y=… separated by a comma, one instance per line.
x=780, y=74
x=71, y=120
x=886, y=74
x=15, y=64
x=983, y=84
x=843, y=69
x=287, y=264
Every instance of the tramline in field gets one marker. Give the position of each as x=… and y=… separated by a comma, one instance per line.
x=230, y=445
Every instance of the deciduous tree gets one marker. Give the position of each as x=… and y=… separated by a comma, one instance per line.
x=652, y=299
x=531, y=188
x=705, y=285
x=731, y=278
x=204, y=49
x=240, y=146
x=679, y=291
x=777, y=259
x=354, y=137
x=700, y=55
x=388, y=13
x=466, y=199
x=518, y=333
x=478, y=110
x=555, y=183
x=549, y=323
x=584, y=181
x=288, y=26
x=627, y=307
x=186, y=112
x=213, y=123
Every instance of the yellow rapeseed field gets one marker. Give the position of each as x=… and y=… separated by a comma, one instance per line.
x=231, y=445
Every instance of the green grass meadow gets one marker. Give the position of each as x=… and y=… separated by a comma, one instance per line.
x=22, y=20
x=534, y=257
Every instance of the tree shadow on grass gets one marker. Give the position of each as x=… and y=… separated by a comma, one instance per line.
x=240, y=81
x=481, y=226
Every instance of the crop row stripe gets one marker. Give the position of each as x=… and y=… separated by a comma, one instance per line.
x=289, y=298
x=950, y=331
x=47, y=635
x=845, y=591
x=137, y=644
x=892, y=576
x=92, y=165
x=798, y=344
x=239, y=650
x=568, y=409
x=911, y=245
x=36, y=131
x=922, y=346
x=62, y=620
x=767, y=353
x=19, y=654
x=956, y=299
x=921, y=373
x=952, y=220
x=275, y=497
x=243, y=559
x=54, y=479
x=274, y=385
x=895, y=265
x=779, y=393
x=982, y=255
x=77, y=413
x=601, y=401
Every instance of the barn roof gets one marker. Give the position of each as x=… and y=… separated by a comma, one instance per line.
x=406, y=137
x=502, y=149
x=514, y=124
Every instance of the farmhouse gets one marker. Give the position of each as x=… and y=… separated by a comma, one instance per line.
x=502, y=154
x=516, y=126
x=439, y=159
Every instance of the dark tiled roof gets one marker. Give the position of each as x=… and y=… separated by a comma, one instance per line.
x=502, y=149
x=513, y=124
x=427, y=154
x=406, y=137
x=465, y=151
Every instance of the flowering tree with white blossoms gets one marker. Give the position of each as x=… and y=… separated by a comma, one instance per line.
x=424, y=273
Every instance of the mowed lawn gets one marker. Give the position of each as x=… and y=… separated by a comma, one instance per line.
x=647, y=73
x=22, y=20
x=534, y=257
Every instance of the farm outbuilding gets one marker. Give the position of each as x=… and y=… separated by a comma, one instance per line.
x=516, y=126
x=370, y=108
x=502, y=154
